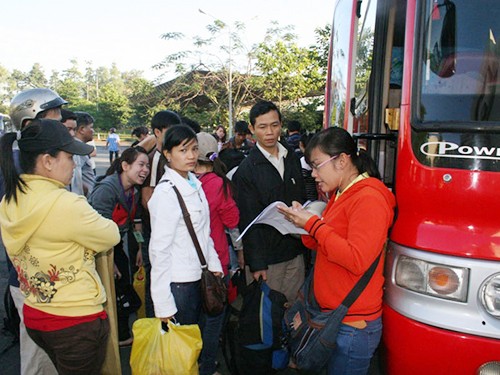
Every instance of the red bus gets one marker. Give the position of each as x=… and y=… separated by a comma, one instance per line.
x=415, y=82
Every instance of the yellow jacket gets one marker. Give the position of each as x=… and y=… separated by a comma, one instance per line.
x=51, y=236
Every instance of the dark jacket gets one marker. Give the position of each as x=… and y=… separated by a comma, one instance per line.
x=108, y=198
x=259, y=184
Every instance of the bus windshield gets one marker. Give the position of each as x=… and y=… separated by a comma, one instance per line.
x=459, y=63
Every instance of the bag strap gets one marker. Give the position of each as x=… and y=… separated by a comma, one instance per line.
x=355, y=291
x=361, y=284
x=189, y=224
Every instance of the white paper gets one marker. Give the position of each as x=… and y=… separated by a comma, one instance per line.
x=271, y=216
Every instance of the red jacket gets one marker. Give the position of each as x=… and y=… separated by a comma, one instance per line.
x=223, y=214
x=348, y=238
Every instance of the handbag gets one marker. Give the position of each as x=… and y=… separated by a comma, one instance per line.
x=213, y=288
x=159, y=352
x=311, y=333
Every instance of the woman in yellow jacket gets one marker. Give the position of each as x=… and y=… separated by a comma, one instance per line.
x=52, y=236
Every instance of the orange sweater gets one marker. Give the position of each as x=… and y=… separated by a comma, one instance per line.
x=348, y=238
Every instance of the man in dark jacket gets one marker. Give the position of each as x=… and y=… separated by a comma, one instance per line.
x=270, y=173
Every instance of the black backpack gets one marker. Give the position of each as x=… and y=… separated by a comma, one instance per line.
x=261, y=316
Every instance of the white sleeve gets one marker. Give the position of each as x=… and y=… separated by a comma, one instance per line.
x=165, y=215
x=213, y=260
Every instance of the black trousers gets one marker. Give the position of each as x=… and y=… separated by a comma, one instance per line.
x=126, y=267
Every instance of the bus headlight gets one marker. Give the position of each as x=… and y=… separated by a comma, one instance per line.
x=438, y=280
x=490, y=295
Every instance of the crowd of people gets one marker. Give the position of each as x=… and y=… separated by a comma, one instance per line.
x=56, y=216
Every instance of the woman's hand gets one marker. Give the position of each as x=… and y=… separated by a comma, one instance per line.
x=218, y=274
x=165, y=320
x=296, y=214
x=138, y=258
x=241, y=259
x=118, y=274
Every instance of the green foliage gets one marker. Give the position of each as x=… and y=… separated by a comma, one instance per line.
x=310, y=119
x=290, y=75
x=276, y=69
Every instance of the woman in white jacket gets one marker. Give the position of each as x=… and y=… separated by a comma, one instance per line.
x=176, y=268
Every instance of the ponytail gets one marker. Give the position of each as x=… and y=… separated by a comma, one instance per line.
x=114, y=167
x=11, y=177
x=364, y=163
x=220, y=169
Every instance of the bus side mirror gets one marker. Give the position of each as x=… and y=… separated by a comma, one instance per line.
x=442, y=46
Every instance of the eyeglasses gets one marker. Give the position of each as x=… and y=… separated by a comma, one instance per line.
x=317, y=167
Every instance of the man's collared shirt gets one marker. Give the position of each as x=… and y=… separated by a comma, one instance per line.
x=277, y=162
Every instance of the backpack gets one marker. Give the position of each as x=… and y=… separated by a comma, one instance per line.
x=230, y=343
x=260, y=320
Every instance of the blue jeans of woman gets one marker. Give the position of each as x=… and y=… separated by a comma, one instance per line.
x=211, y=328
x=187, y=298
x=355, y=348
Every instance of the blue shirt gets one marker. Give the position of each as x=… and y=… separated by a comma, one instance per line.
x=113, y=140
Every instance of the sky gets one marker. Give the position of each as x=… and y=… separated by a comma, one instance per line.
x=127, y=32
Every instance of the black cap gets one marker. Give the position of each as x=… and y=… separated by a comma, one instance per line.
x=52, y=135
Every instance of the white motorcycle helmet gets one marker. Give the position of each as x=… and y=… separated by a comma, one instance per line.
x=29, y=103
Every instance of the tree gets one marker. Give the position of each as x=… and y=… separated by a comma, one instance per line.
x=7, y=86
x=142, y=108
x=287, y=74
x=322, y=47
x=36, y=76
x=114, y=108
x=201, y=89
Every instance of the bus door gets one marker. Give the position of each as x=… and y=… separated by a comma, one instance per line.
x=365, y=76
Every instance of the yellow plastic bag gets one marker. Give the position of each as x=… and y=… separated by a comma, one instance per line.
x=140, y=288
x=156, y=352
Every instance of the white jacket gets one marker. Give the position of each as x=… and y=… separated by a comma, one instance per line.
x=171, y=250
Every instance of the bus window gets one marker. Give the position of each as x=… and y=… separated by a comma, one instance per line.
x=340, y=62
x=459, y=65
x=363, y=69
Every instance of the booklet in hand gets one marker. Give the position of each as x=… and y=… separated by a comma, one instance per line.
x=271, y=216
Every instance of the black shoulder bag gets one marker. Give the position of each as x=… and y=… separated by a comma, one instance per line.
x=312, y=333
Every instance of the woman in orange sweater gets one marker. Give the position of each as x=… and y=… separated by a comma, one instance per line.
x=348, y=237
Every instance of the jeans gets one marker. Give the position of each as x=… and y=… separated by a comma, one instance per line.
x=355, y=348
x=211, y=329
x=187, y=298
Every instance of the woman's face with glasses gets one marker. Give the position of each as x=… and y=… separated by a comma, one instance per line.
x=324, y=171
